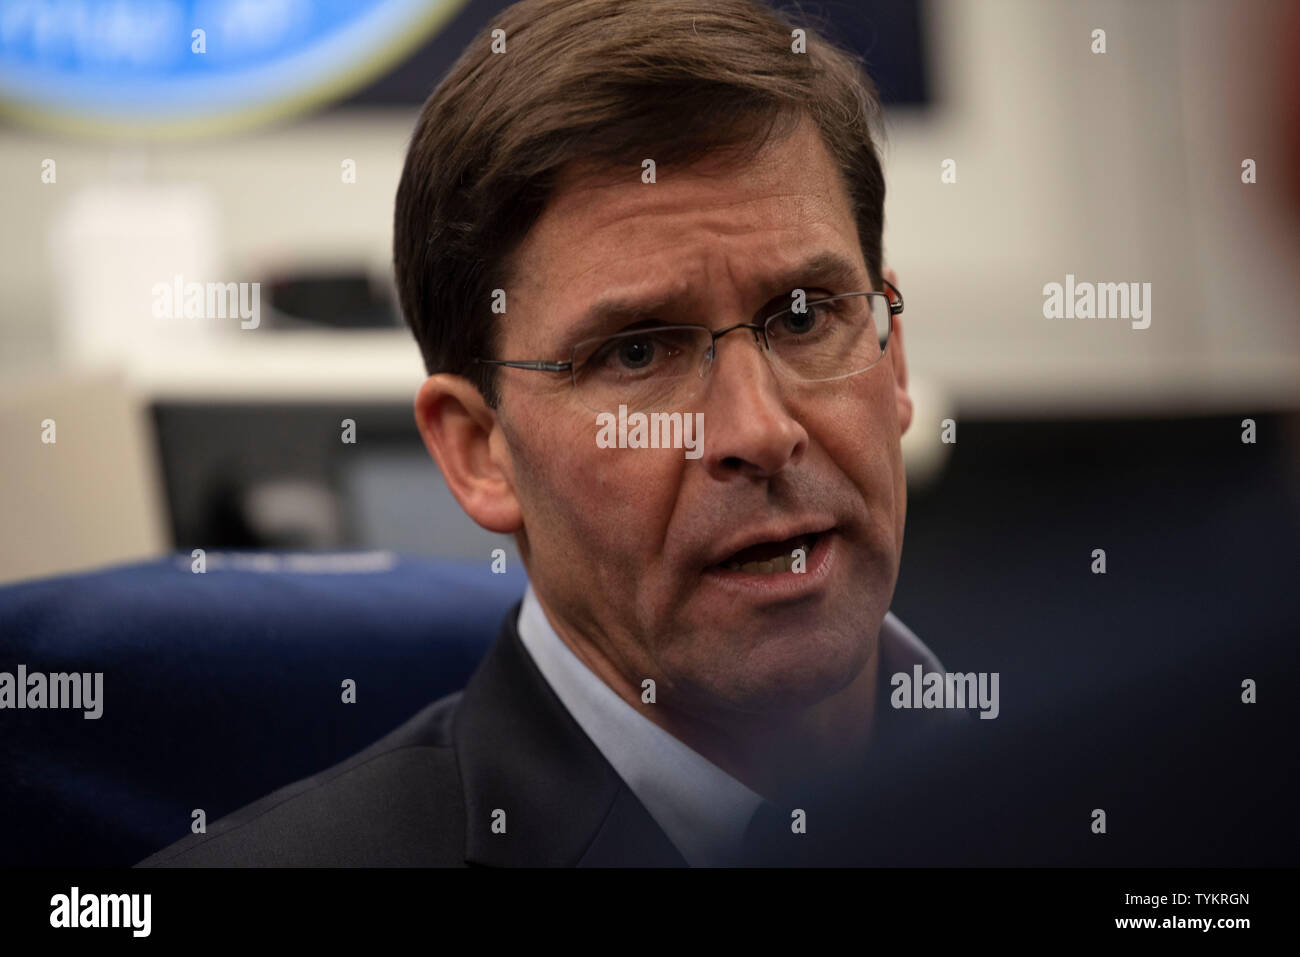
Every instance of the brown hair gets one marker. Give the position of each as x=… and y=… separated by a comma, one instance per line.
x=606, y=82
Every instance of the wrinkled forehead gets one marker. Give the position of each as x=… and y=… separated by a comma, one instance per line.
x=617, y=245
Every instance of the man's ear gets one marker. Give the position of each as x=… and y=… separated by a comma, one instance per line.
x=464, y=437
x=898, y=359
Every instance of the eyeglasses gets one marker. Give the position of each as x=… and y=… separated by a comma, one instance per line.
x=666, y=366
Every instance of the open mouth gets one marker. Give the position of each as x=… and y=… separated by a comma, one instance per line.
x=770, y=558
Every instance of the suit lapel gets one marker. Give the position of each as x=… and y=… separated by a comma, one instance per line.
x=538, y=793
x=629, y=837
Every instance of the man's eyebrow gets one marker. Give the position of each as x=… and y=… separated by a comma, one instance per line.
x=612, y=312
x=826, y=268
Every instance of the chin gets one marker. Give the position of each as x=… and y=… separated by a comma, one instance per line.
x=779, y=672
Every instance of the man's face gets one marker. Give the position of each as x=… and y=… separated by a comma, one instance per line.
x=628, y=547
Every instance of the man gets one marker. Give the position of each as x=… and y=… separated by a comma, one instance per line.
x=613, y=210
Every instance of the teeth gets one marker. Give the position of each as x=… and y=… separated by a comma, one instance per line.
x=782, y=563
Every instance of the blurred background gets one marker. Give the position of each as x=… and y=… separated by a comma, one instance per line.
x=126, y=161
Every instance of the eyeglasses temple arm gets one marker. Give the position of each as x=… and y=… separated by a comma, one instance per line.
x=539, y=365
x=896, y=308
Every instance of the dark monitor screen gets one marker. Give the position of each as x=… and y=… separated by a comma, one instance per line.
x=889, y=35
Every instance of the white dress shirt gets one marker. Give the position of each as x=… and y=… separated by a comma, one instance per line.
x=702, y=809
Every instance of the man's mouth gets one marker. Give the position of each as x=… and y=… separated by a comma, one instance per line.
x=769, y=558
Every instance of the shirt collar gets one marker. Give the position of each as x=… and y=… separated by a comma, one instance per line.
x=702, y=809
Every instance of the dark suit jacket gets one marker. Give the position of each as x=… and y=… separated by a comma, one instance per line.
x=425, y=794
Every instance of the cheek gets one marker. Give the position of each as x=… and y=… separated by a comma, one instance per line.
x=860, y=434
x=863, y=436
x=609, y=507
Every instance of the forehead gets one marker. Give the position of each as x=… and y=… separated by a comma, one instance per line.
x=717, y=235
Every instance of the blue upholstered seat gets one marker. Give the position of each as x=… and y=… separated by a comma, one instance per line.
x=219, y=687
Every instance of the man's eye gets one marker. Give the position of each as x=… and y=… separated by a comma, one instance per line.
x=801, y=323
x=635, y=353
x=632, y=354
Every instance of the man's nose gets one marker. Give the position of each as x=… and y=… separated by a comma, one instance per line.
x=748, y=431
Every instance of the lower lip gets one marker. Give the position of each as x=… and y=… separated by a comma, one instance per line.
x=777, y=585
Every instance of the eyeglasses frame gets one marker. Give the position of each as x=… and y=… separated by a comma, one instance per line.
x=543, y=365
